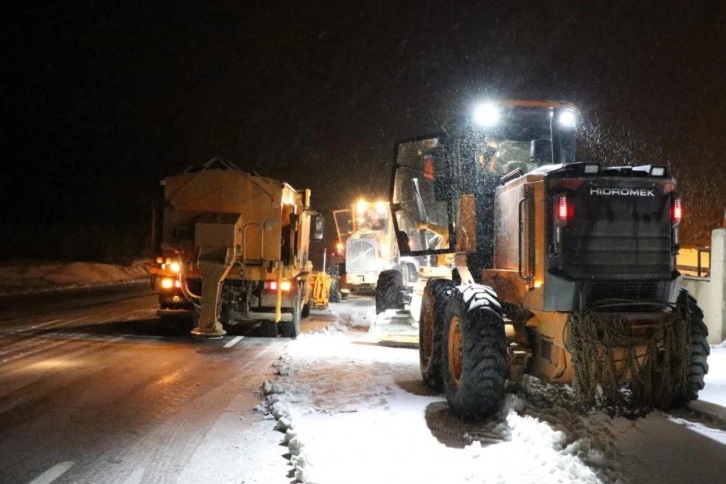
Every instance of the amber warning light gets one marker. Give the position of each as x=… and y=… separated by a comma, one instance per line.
x=272, y=286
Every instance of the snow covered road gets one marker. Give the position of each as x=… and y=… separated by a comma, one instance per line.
x=353, y=411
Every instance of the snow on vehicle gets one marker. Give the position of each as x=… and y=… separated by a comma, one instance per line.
x=564, y=270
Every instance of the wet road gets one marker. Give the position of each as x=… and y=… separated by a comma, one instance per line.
x=92, y=390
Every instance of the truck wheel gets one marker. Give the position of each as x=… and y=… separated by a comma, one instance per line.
x=474, y=349
x=388, y=290
x=698, y=366
x=291, y=329
x=306, y=311
x=430, y=330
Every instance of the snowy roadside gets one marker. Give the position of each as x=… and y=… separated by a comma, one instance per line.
x=357, y=412
x=17, y=278
x=350, y=410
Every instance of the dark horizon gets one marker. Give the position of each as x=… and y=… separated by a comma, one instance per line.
x=104, y=100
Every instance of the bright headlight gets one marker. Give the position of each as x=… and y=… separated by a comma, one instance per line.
x=567, y=119
x=175, y=267
x=486, y=115
x=362, y=206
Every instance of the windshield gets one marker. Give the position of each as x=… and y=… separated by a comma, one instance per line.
x=343, y=224
x=371, y=217
x=522, y=137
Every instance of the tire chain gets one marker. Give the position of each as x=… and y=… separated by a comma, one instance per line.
x=634, y=389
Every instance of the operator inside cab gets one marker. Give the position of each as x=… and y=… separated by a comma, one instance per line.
x=500, y=157
x=374, y=219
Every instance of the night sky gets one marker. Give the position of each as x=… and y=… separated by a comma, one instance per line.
x=103, y=99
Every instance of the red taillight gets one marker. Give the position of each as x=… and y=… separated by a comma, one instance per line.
x=676, y=211
x=562, y=208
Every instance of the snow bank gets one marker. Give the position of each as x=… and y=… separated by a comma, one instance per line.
x=19, y=278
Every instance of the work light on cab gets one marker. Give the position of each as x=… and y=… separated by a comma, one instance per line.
x=567, y=119
x=486, y=115
x=362, y=206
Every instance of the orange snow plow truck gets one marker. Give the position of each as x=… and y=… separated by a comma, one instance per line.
x=233, y=250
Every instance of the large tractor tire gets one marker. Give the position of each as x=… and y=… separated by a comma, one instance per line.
x=431, y=329
x=698, y=366
x=474, y=345
x=389, y=290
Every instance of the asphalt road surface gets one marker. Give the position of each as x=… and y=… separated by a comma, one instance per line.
x=93, y=390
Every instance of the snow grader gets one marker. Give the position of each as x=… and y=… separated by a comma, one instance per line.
x=365, y=232
x=233, y=250
x=563, y=269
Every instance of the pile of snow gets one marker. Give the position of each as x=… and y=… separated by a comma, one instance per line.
x=20, y=278
x=357, y=412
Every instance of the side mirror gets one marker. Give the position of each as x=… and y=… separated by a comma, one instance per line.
x=318, y=224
